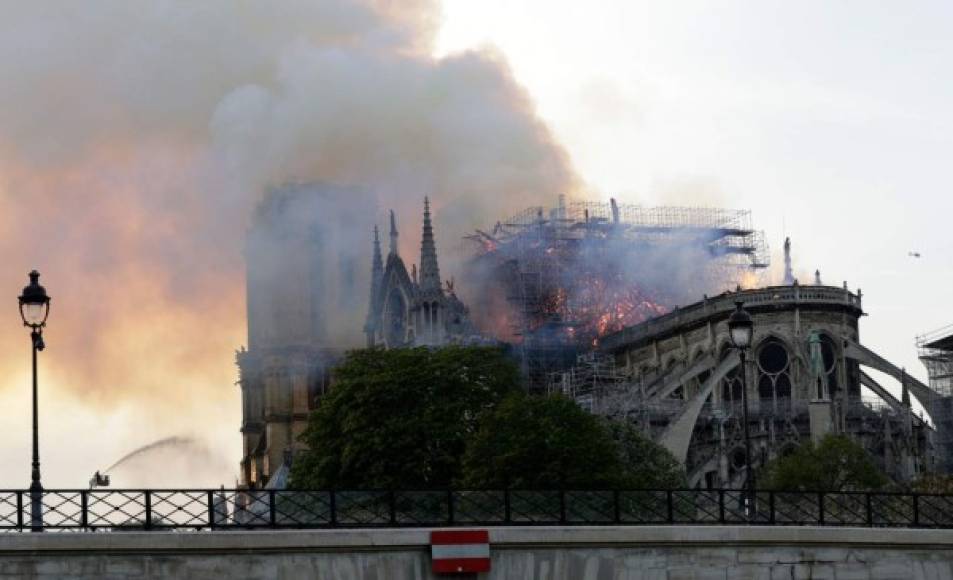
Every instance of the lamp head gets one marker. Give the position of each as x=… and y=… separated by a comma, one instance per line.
x=740, y=327
x=34, y=303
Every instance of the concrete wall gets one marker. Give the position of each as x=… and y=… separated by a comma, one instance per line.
x=550, y=553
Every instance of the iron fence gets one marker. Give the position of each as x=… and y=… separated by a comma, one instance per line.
x=173, y=509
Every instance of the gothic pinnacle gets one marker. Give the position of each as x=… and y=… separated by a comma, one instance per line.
x=429, y=270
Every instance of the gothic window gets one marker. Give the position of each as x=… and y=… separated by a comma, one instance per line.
x=395, y=324
x=774, y=370
x=426, y=326
x=731, y=385
x=829, y=354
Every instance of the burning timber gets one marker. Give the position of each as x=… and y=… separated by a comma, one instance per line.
x=556, y=280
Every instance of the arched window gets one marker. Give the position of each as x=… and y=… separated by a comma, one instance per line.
x=395, y=325
x=829, y=354
x=774, y=370
x=425, y=330
x=731, y=385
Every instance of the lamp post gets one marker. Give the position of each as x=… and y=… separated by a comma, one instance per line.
x=740, y=330
x=34, y=308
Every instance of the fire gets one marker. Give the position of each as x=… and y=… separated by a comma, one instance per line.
x=583, y=270
x=604, y=305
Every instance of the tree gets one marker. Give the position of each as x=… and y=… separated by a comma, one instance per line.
x=647, y=464
x=400, y=418
x=532, y=442
x=932, y=483
x=835, y=464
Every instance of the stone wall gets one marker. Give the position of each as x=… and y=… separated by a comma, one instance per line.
x=544, y=553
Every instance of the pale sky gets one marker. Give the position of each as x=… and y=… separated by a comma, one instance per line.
x=829, y=120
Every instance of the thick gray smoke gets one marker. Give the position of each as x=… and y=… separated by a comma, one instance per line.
x=135, y=139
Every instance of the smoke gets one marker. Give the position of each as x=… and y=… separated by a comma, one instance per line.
x=135, y=139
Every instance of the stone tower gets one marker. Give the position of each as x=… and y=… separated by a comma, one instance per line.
x=301, y=294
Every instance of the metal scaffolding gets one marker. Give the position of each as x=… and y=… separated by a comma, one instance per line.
x=936, y=354
x=580, y=270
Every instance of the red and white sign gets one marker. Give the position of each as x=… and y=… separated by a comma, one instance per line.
x=458, y=551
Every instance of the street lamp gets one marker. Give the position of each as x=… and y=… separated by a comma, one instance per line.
x=34, y=308
x=740, y=329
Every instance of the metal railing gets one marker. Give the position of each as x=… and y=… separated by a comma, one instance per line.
x=167, y=509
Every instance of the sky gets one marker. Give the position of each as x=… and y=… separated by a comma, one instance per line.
x=134, y=142
x=830, y=121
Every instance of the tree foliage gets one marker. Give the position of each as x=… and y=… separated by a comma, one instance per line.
x=401, y=418
x=835, y=464
x=933, y=483
x=647, y=464
x=546, y=442
x=540, y=442
x=432, y=418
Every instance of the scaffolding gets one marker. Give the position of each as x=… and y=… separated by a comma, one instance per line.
x=603, y=388
x=578, y=271
x=936, y=354
x=726, y=232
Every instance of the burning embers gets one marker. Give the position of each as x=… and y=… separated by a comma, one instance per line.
x=576, y=273
x=603, y=305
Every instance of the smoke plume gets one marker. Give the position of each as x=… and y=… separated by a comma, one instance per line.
x=135, y=139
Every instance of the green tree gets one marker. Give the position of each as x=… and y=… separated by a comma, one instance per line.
x=541, y=442
x=647, y=465
x=400, y=418
x=835, y=464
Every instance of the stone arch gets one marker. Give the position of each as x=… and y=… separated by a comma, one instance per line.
x=831, y=352
x=697, y=353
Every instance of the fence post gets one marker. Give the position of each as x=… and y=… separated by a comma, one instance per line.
x=84, y=509
x=333, y=504
x=870, y=509
x=616, y=508
x=721, y=506
x=272, y=511
x=820, y=507
x=562, y=505
x=148, y=499
x=670, y=506
x=392, y=501
x=211, y=510
x=450, y=506
x=916, y=509
x=771, y=518
x=20, y=510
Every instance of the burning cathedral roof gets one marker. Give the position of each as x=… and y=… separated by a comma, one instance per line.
x=581, y=270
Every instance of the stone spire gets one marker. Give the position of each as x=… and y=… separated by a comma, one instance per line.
x=788, y=273
x=377, y=276
x=377, y=267
x=393, y=234
x=429, y=270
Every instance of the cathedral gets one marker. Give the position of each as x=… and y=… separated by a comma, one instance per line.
x=303, y=282
x=411, y=309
